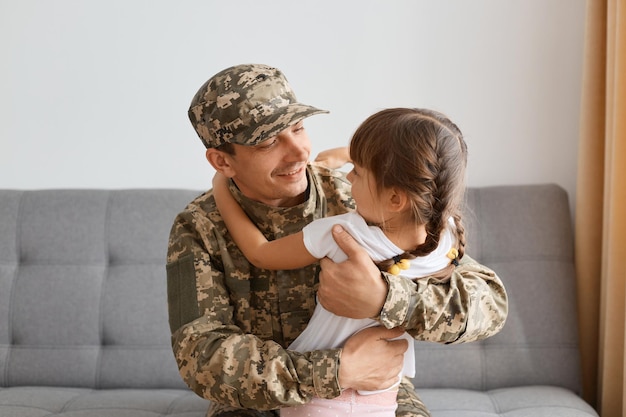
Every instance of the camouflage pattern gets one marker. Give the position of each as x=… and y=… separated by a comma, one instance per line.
x=231, y=322
x=471, y=305
x=245, y=105
x=409, y=404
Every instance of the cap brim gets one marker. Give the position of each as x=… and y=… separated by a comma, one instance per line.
x=279, y=121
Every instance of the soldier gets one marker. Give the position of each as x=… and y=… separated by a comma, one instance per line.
x=231, y=322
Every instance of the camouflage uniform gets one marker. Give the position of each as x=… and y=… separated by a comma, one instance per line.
x=231, y=322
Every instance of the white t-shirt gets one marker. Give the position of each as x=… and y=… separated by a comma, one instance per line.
x=328, y=331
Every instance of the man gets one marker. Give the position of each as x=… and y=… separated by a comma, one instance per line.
x=232, y=323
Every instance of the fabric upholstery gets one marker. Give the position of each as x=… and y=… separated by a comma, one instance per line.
x=524, y=234
x=84, y=402
x=83, y=308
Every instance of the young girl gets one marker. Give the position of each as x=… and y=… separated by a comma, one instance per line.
x=408, y=185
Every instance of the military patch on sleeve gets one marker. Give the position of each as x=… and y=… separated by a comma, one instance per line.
x=181, y=292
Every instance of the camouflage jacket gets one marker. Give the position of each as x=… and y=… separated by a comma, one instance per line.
x=231, y=321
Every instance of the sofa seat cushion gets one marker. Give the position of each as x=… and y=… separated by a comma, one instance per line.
x=536, y=401
x=83, y=402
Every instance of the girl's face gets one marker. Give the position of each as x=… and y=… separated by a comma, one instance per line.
x=365, y=194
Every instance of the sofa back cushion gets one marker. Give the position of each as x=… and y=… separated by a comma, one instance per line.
x=82, y=288
x=524, y=233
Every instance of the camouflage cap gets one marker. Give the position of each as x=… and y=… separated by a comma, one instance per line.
x=245, y=104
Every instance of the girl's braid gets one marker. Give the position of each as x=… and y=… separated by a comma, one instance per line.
x=442, y=184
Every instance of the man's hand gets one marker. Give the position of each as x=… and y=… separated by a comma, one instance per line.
x=353, y=288
x=370, y=361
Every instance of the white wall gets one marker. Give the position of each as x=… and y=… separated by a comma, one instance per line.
x=95, y=93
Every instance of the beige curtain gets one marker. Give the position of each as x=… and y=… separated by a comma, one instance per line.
x=601, y=209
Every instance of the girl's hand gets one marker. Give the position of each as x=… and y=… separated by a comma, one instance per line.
x=333, y=158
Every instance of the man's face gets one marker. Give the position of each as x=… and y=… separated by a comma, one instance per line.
x=274, y=171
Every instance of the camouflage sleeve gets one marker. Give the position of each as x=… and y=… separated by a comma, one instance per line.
x=218, y=359
x=471, y=305
x=224, y=365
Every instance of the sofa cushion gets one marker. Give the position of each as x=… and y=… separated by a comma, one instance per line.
x=534, y=400
x=524, y=233
x=82, y=288
x=84, y=402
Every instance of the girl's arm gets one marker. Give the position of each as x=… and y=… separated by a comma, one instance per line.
x=288, y=252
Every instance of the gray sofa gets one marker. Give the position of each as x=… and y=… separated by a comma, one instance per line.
x=83, y=314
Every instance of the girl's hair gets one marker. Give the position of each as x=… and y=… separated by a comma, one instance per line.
x=423, y=153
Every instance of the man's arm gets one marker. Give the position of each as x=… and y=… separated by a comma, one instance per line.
x=471, y=305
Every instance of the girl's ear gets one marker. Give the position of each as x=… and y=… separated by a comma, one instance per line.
x=221, y=161
x=397, y=200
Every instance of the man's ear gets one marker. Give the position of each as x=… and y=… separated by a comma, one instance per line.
x=220, y=161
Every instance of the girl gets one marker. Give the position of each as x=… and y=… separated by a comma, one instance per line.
x=408, y=185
